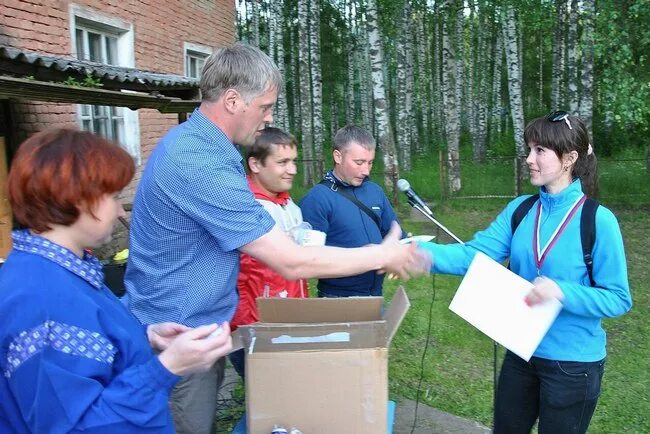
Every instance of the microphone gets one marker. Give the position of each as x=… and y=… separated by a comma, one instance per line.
x=404, y=186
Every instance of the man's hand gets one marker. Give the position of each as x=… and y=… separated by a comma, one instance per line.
x=544, y=289
x=403, y=260
x=195, y=351
x=160, y=335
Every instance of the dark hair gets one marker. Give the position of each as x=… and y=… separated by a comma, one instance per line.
x=58, y=173
x=561, y=139
x=268, y=137
x=352, y=133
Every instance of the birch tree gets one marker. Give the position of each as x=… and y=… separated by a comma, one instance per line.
x=451, y=100
x=572, y=58
x=384, y=134
x=422, y=96
x=276, y=48
x=306, y=114
x=459, y=9
x=436, y=70
x=255, y=23
x=496, y=84
x=514, y=67
x=316, y=80
x=350, y=52
x=402, y=125
x=557, y=82
x=365, y=74
x=480, y=95
x=586, y=96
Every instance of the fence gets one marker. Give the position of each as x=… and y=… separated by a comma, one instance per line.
x=620, y=181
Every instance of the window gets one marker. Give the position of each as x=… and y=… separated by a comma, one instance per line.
x=102, y=39
x=195, y=57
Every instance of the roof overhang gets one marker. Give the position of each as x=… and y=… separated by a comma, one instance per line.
x=34, y=90
x=39, y=77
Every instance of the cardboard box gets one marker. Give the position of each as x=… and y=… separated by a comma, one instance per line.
x=320, y=364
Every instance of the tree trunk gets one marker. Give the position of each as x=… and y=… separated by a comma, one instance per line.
x=384, y=134
x=423, y=83
x=241, y=21
x=306, y=114
x=450, y=100
x=436, y=69
x=350, y=109
x=481, y=81
x=572, y=59
x=557, y=82
x=514, y=69
x=586, y=99
x=459, y=9
x=277, y=31
x=470, y=82
x=316, y=80
x=365, y=76
x=294, y=49
x=255, y=23
x=402, y=124
x=497, y=106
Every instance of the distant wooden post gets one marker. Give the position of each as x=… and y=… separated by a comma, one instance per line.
x=5, y=208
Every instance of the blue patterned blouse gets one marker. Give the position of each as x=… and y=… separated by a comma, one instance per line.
x=72, y=357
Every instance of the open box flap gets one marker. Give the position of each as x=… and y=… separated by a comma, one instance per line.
x=395, y=313
x=308, y=337
x=319, y=310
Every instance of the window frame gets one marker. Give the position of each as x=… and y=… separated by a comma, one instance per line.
x=88, y=20
x=191, y=51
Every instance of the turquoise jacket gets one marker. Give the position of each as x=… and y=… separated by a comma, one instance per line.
x=577, y=333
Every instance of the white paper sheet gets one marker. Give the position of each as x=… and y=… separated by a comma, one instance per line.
x=491, y=298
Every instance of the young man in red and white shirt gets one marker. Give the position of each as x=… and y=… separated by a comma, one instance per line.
x=271, y=165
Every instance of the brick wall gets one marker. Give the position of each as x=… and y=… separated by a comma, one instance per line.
x=160, y=31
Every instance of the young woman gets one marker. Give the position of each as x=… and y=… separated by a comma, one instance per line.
x=72, y=357
x=560, y=385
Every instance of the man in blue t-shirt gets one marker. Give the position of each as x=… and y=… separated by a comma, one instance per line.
x=352, y=210
x=193, y=213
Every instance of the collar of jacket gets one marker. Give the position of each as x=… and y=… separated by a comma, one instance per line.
x=280, y=199
x=331, y=177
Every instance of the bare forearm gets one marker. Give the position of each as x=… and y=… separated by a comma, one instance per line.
x=319, y=262
x=295, y=262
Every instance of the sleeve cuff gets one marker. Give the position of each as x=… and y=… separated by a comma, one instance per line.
x=159, y=377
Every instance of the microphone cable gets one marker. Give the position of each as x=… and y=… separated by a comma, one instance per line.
x=426, y=347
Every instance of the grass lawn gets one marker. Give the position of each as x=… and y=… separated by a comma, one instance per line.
x=456, y=374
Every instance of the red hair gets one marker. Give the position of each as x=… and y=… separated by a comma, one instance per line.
x=58, y=173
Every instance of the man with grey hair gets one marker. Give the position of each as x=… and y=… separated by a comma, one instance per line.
x=352, y=210
x=193, y=213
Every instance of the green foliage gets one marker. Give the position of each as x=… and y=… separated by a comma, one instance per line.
x=88, y=81
x=623, y=82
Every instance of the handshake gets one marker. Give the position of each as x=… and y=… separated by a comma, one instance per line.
x=403, y=258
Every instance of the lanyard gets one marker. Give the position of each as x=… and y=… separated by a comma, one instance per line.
x=540, y=255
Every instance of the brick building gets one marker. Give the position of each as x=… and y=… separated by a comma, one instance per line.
x=171, y=38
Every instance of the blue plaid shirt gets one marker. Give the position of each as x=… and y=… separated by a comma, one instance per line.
x=192, y=211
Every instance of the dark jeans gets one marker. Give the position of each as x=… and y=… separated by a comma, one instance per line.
x=238, y=361
x=563, y=395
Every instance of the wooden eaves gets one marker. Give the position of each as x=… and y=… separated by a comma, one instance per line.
x=35, y=90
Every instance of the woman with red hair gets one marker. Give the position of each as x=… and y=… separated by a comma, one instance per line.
x=72, y=357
